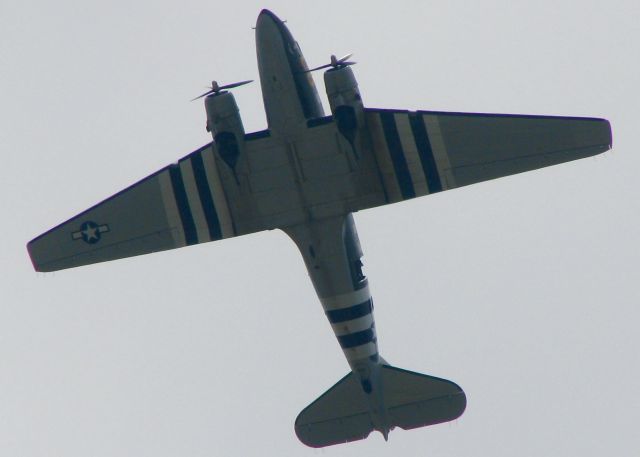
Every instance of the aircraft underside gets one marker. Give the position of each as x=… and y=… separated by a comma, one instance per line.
x=306, y=174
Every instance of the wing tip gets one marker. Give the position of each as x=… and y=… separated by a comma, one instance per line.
x=32, y=257
x=605, y=135
x=610, y=132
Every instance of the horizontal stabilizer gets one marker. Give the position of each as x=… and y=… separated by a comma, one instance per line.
x=412, y=400
x=339, y=415
x=417, y=400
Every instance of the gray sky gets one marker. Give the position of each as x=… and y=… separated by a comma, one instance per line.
x=523, y=290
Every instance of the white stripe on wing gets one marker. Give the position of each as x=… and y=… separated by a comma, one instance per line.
x=171, y=209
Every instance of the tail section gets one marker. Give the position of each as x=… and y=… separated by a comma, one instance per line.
x=346, y=412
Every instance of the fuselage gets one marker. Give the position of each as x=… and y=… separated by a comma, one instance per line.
x=329, y=246
x=288, y=91
x=305, y=175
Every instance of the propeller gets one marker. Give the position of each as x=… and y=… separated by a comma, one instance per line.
x=336, y=63
x=215, y=88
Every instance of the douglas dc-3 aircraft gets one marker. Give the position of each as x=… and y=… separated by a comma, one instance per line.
x=306, y=174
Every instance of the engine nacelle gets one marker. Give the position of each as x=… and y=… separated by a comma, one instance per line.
x=346, y=103
x=225, y=125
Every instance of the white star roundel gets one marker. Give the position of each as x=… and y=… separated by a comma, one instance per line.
x=90, y=232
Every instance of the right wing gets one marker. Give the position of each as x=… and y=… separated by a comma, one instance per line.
x=423, y=152
x=180, y=205
x=207, y=196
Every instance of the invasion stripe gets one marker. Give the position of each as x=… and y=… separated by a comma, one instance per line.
x=440, y=154
x=171, y=209
x=411, y=154
x=218, y=194
x=426, y=152
x=205, y=197
x=345, y=300
x=357, y=339
x=397, y=155
x=190, y=235
x=189, y=181
x=347, y=314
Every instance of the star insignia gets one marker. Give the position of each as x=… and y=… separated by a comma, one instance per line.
x=90, y=232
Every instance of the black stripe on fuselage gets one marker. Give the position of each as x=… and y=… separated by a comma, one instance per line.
x=427, y=159
x=188, y=225
x=208, y=206
x=347, y=314
x=357, y=339
x=397, y=155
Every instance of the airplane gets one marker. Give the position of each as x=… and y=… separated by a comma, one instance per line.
x=306, y=174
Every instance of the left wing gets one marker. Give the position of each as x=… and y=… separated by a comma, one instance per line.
x=424, y=152
x=180, y=205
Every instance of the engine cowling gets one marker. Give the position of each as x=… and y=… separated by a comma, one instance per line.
x=346, y=103
x=225, y=125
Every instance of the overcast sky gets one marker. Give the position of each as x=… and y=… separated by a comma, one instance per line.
x=523, y=290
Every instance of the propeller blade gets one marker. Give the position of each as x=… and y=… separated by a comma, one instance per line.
x=215, y=88
x=203, y=95
x=343, y=59
x=232, y=85
x=319, y=68
x=335, y=63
